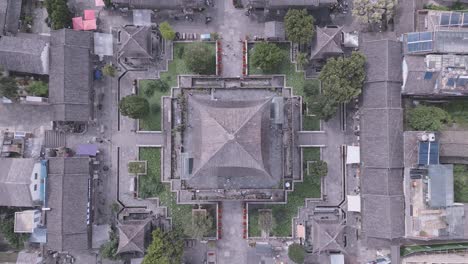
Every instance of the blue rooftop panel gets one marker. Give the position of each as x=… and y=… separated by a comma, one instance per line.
x=428, y=75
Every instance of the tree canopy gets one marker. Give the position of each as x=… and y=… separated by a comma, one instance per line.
x=299, y=26
x=266, y=56
x=324, y=107
x=428, y=118
x=200, y=226
x=343, y=78
x=166, y=248
x=200, y=58
x=9, y=88
x=318, y=168
x=166, y=31
x=59, y=14
x=265, y=221
x=108, y=70
x=374, y=11
x=38, y=88
x=296, y=253
x=134, y=106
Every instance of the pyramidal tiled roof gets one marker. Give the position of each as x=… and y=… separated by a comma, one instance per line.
x=132, y=236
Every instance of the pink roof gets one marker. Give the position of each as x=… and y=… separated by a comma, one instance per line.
x=89, y=14
x=89, y=24
x=100, y=3
x=77, y=23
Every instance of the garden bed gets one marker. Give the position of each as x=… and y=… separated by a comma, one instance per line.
x=137, y=167
x=284, y=213
x=176, y=67
x=294, y=79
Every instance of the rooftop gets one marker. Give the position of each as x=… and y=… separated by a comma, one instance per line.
x=133, y=236
x=69, y=86
x=15, y=181
x=25, y=55
x=67, y=198
x=326, y=42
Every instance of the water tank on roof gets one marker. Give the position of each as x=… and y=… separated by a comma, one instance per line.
x=431, y=137
x=423, y=137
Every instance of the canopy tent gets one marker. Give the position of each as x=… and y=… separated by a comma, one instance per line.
x=87, y=150
x=77, y=23
x=89, y=14
x=353, y=155
x=103, y=44
x=99, y=2
x=354, y=203
x=89, y=24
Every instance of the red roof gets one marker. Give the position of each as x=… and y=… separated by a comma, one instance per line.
x=77, y=23
x=89, y=14
x=89, y=24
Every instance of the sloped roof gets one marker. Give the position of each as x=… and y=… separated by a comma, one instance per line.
x=384, y=58
x=415, y=79
x=10, y=11
x=27, y=55
x=15, y=181
x=383, y=216
x=132, y=236
x=67, y=196
x=326, y=41
x=70, y=84
x=325, y=237
x=230, y=139
x=135, y=42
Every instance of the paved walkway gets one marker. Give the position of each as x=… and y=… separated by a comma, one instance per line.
x=232, y=248
x=235, y=27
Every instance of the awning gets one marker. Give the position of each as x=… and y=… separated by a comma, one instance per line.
x=77, y=23
x=354, y=203
x=87, y=150
x=89, y=15
x=89, y=24
x=353, y=155
x=300, y=231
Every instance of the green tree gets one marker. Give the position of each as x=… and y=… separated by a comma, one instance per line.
x=156, y=85
x=299, y=26
x=296, y=253
x=134, y=106
x=374, y=11
x=166, y=248
x=166, y=31
x=318, y=168
x=109, y=70
x=200, y=58
x=59, y=14
x=428, y=118
x=323, y=107
x=301, y=60
x=7, y=223
x=108, y=3
x=109, y=249
x=9, y=88
x=266, y=56
x=38, y=88
x=200, y=226
x=343, y=78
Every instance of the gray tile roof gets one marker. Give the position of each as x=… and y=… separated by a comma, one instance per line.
x=326, y=41
x=384, y=58
x=10, y=11
x=133, y=236
x=69, y=86
x=15, y=181
x=135, y=42
x=67, y=198
x=290, y=3
x=382, y=143
x=275, y=29
x=27, y=55
x=440, y=185
x=383, y=216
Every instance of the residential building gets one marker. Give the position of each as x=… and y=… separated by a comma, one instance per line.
x=68, y=204
x=381, y=144
x=286, y=4
x=160, y=4
x=10, y=13
x=70, y=85
x=27, y=221
x=134, y=236
x=25, y=54
x=21, y=182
